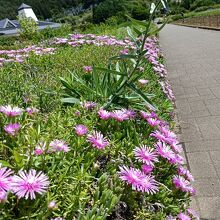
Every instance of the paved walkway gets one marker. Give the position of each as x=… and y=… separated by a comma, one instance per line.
x=193, y=62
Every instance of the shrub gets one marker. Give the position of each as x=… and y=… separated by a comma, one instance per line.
x=29, y=28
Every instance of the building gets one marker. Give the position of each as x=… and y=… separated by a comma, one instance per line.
x=11, y=27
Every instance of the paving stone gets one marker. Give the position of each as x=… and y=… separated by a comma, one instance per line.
x=192, y=57
x=210, y=131
x=201, y=165
x=215, y=156
x=195, y=146
x=207, y=186
x=209, y=208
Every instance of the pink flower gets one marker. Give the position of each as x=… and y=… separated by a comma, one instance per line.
x=145, y=115
x=146, y=155
x=87, y=69
x=3, y=196
x=184, y=172
x=81, y=130
x=97, y=140
x=183, y=216
x=138, y=180
x=59, y=145
x=130, y=113
x=12, y=129
x=103, y=114
x=89, y=105
x=143, y=81
x=161, y=137
x=153, y=122
x=27, y=184
x=120, y=115
x=32, y=111
x=5, y=179
x=40, y=149
x=52, y=205
x=183, y=184
x=165, y=151
x=147, y=168
x=193, y=214
x=10, y=111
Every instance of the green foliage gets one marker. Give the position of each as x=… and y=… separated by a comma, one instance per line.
x=199, y=3
x=29, y=28
x=107, y=9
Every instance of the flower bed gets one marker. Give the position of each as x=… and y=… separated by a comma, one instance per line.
x=90, y=162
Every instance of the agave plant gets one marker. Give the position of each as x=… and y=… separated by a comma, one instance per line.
x=116, y=85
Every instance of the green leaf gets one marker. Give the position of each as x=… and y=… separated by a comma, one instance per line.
x=131, y=35
x=142, y=95
x=5, y=163
x=109, y=71
x=137, y=22
x=70, y=100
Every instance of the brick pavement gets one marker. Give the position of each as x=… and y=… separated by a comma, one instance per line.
x=193, y=62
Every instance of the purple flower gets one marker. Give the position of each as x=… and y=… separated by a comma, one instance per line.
x=120, y=115
x=89, y=105
x=27, y=184
x=164, y=150
x=146, y=155
x=12, y=129
x=5, y=179
x=3, y=196
x=97, y=140
x=59, y=145
x=193, y=214
x=87, y=69
x=183, y=184
x=32, y=111
x=183, y=216
x=52, y=205
x=81, y=130
x=40, y=149
x=184, y=172
x=11, y=111
x=103, y=114
x=153, y=122
x=143, y=81
x=138, y=180
x=147, y=168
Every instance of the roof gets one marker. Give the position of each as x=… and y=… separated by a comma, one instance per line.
x=23, y=6
x=15, y=30
x=5, y=23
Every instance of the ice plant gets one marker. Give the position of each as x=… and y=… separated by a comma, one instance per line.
x=81, y=130
x=12, y=129
x=138, y=180
x=183, y=184
x=184, y=172
x=5, y=179
x=145, y=155
x=103, y=114
x=183, y=216
x=120, y=115
x=32, y=110
x=87, y=69
x=147, y=168
x=89, y=105
x=3, y=196
x=153, y=122
x=52, y=205
x=10, y=111
x=143, y=81
x=27, y=183
x=97, y=140
x=59, y=145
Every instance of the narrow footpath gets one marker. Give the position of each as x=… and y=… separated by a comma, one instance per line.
x=193, y=62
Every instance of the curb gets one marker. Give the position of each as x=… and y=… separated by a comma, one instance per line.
x=201, y=27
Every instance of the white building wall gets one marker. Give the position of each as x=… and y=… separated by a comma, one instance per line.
x=27, y=12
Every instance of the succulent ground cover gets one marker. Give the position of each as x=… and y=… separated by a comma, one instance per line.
x=68, y=152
